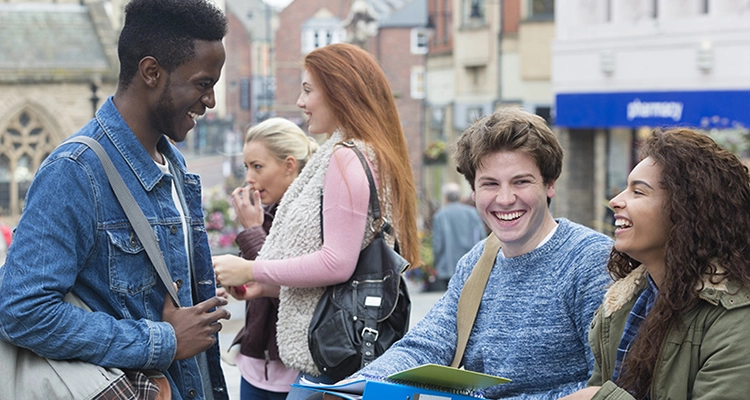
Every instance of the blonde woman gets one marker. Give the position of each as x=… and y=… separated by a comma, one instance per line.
x=274, y=153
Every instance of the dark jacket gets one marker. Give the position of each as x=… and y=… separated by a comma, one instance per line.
x=258, y=337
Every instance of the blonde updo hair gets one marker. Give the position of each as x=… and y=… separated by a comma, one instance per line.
x=283, y=138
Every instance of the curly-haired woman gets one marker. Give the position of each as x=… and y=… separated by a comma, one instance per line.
x=674, y=325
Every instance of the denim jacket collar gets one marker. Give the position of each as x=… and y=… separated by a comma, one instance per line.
x=131, y=149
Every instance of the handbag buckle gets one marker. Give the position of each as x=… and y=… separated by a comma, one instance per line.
x=371, y=331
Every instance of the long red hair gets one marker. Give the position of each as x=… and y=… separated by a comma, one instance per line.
x=358, y=93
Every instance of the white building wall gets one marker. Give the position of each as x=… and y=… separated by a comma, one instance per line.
x=682, y=49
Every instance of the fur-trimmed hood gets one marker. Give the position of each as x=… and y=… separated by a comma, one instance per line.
x=623, y=290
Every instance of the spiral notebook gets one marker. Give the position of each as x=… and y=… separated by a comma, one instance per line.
x=426, y=382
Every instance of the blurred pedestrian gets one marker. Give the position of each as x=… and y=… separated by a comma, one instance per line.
x=456, y=228
x=6, y=236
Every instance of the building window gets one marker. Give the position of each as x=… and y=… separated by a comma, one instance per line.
x=474, y=12
x=447, y=20
x=24, y=144
x=473, y=114
x=542, y=9
x=321, y=30
x=417, y=82
x=419, y=41
x=437, y=118
x=314, y=38
x=245, y=94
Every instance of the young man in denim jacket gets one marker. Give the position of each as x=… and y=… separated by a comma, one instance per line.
x=74, y=236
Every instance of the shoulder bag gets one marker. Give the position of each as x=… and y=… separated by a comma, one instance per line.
x=26, y=375
x=357, y=320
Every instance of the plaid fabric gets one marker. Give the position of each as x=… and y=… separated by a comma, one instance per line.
x=134, y=385
x=638, y=313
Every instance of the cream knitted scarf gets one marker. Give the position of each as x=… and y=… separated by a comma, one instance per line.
x=296, y=232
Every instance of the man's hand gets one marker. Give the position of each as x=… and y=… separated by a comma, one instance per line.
x=194, y=326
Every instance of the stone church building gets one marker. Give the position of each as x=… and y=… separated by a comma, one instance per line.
x=58, y=63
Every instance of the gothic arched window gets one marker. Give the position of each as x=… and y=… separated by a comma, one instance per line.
x=24, y=143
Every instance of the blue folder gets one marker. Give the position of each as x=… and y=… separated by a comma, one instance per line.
x=396, y=391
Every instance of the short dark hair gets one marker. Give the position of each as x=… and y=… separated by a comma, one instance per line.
x=166, y=30
x=509, y=129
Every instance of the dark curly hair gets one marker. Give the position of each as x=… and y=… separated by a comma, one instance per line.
x=708, y=204
x=166, y=30
x=509, y=129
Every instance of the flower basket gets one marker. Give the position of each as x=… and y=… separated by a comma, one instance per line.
x=435, y=153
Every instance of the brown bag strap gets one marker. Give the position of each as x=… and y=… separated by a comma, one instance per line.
x=471, y=295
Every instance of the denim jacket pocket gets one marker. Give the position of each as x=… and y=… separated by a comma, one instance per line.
x=130, y=270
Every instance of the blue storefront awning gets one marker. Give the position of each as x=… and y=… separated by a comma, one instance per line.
x=700, y=109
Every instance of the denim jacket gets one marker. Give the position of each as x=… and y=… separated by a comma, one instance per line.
x=74, y=236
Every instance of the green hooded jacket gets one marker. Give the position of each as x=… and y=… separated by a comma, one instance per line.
x=707, y=358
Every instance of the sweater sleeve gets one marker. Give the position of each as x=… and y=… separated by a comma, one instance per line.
x=250, y=241
x=345, y=204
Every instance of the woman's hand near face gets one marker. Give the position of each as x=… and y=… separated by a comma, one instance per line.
x=247, y=207
x=232, y=270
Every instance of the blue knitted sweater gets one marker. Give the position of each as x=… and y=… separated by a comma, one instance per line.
x=532, y=324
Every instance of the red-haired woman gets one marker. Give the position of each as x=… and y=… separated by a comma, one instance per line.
x=314, y=244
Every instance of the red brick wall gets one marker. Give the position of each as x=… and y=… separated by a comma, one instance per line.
x=237, y=66
x=394, y=54
x=511, y=15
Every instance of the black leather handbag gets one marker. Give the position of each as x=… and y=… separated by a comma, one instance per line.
x=357, y=320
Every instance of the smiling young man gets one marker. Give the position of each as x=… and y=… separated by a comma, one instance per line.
x=548, y=278
x=171, y=55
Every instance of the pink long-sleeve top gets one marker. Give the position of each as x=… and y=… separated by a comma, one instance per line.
x=345, y=204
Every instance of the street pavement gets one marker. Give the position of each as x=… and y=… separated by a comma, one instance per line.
x=421, y=302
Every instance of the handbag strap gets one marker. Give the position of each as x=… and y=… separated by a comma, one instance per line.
x=134, y=213
x=471, y=295
x=374, y=202
x=370, y=331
